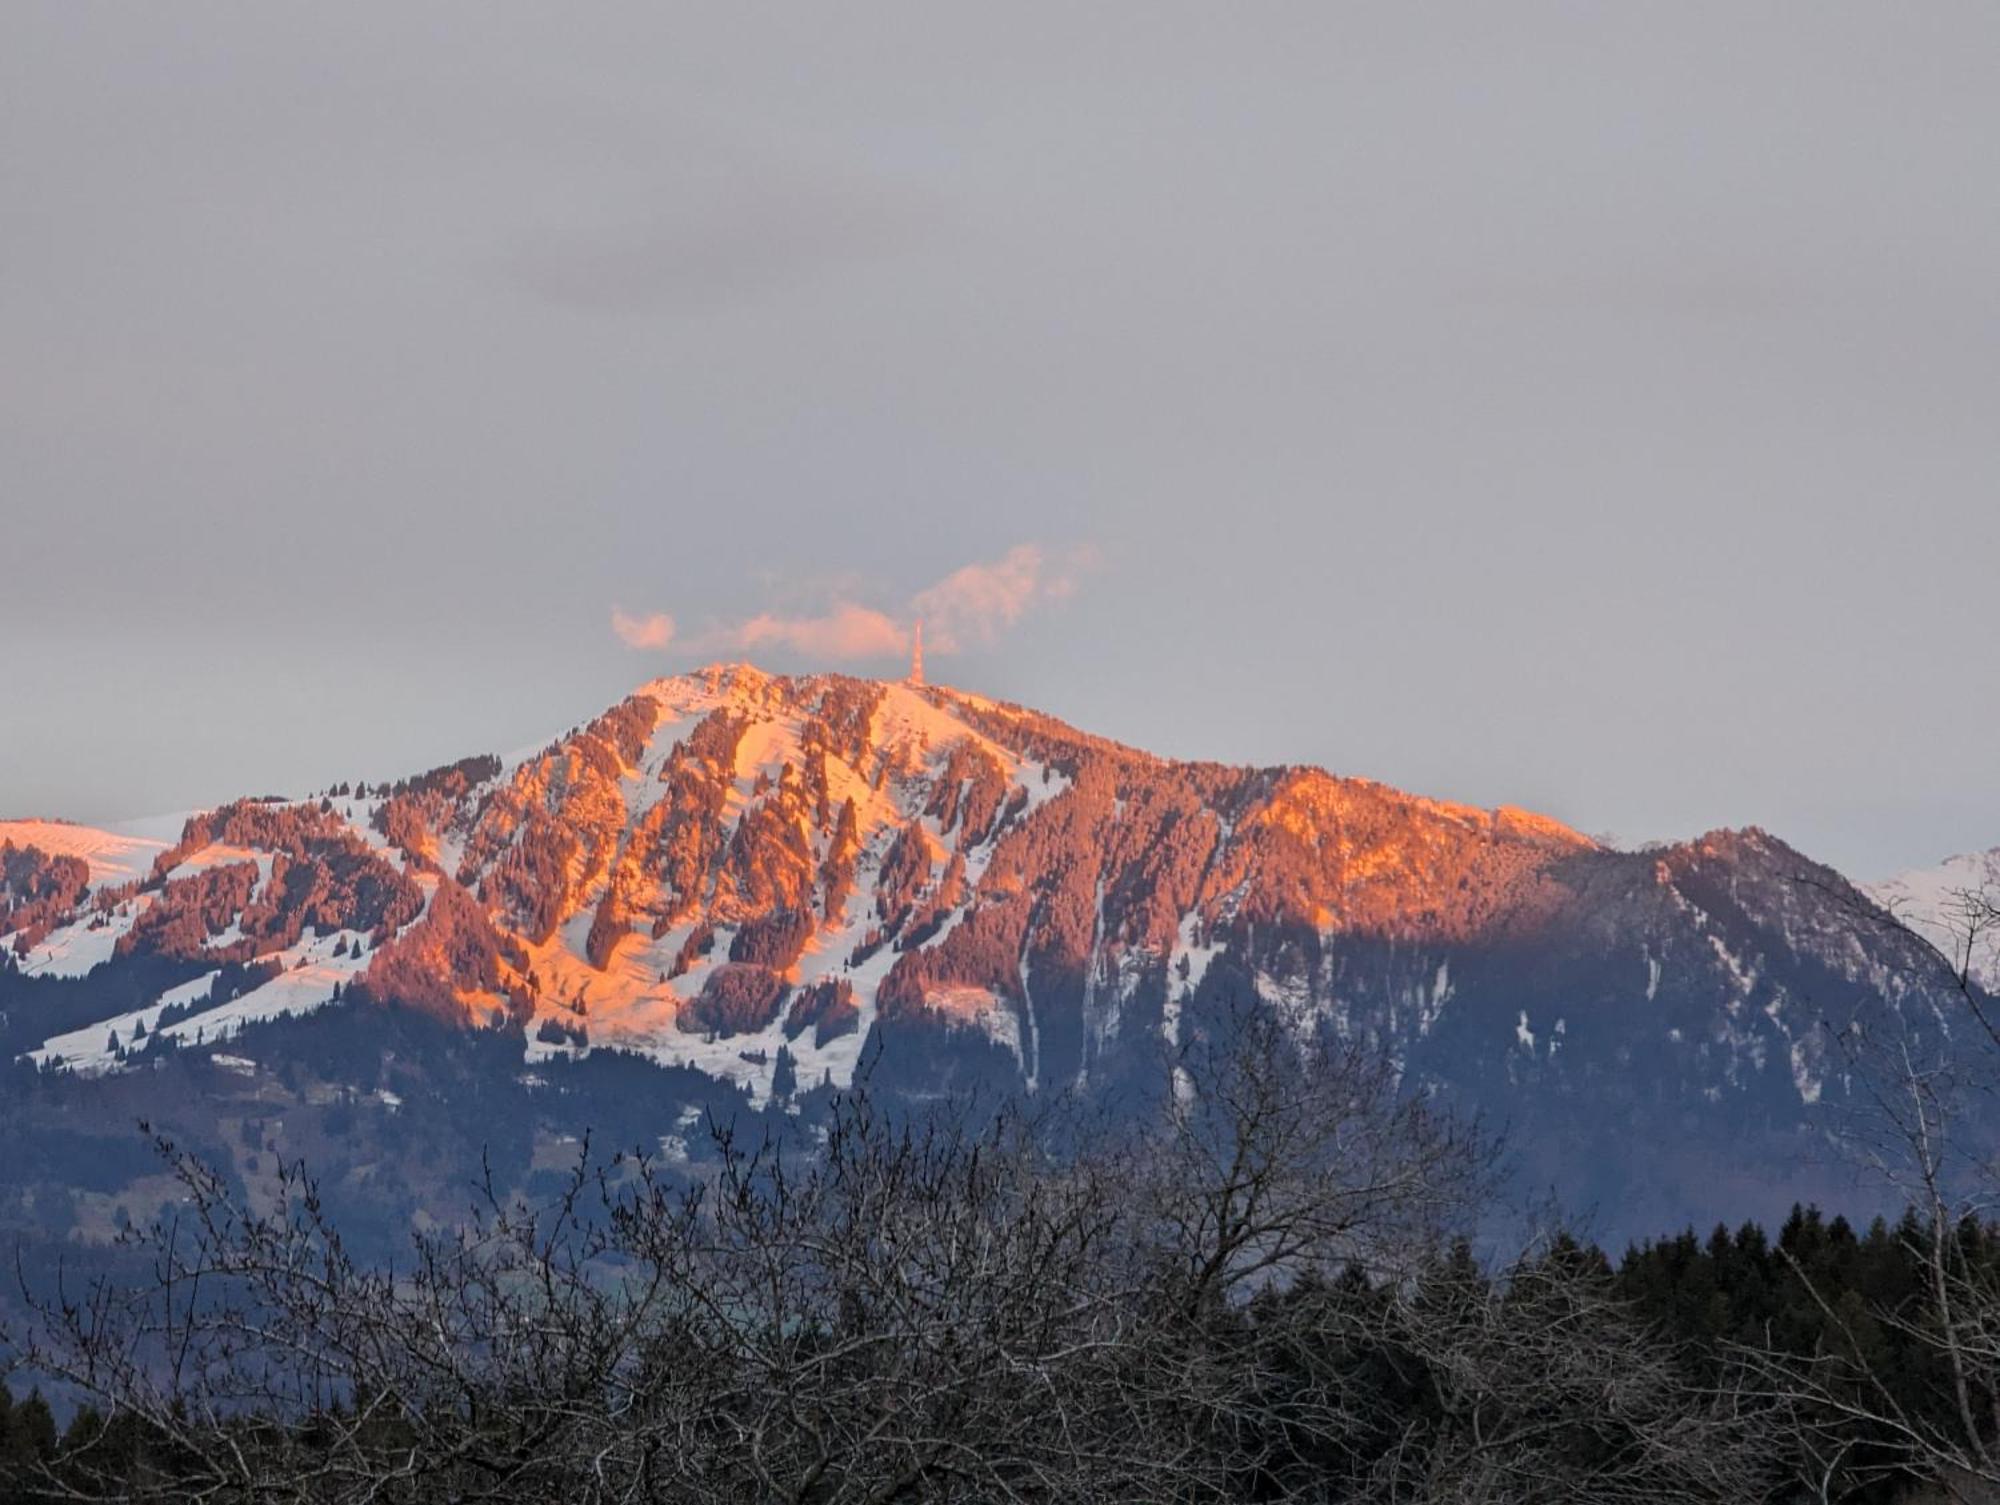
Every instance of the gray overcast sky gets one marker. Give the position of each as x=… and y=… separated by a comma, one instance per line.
x=1593, y=407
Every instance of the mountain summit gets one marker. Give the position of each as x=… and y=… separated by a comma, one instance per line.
x=765, y=880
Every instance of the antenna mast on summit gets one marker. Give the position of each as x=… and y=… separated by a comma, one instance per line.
x=917, y=654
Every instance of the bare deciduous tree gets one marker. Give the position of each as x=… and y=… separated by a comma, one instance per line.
x=1249, y=1295
x=1921, y=1061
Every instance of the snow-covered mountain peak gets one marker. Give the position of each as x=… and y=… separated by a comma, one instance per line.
x=765, y=880
x=1952, y=906
x=769, y=878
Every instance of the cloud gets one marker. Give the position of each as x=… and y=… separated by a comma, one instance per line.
x=976, y=603
x=655, y=631
x=846, y=632
x=969, y=607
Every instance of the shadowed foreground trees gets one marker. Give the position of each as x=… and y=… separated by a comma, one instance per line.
x=1258, y=1295
x=1901, y=1378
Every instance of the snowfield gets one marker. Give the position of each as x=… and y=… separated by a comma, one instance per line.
x=116, y=854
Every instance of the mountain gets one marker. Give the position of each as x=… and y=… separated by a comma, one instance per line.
x=1952, y=906
x=734, y=889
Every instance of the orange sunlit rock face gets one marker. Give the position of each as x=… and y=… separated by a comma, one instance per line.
x=781, y=884
x=943, y=847
x=732, y=860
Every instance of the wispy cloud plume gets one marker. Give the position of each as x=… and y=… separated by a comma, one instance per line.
x=972, y=606
x=975, y=604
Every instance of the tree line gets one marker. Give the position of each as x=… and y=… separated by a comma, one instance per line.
x=1263, y=1290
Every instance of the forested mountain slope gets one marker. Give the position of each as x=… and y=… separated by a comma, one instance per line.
x=762, y=885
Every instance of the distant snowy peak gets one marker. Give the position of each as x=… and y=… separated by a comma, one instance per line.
x=116, y=855
x=1952, y=906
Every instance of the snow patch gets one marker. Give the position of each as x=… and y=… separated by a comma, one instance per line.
x=74, y=950
x=310, y=972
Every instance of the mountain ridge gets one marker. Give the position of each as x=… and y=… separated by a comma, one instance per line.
x=764, y=878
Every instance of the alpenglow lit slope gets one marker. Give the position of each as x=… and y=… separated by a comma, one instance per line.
x=729, y=863
x=769, y=881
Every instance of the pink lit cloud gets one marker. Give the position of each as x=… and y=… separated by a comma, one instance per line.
x=977, y=602
x=972, y=606
x=655, y=631
x=845, y=632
